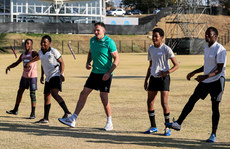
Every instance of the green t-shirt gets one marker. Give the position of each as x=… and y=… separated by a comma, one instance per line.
x=101, y=54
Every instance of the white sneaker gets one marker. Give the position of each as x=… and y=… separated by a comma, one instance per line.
x=108, y=126
x=68, y=121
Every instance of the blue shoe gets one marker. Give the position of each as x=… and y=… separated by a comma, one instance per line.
x=173, y=125
x=151, y=130
x=212, y=138
x=167, y=132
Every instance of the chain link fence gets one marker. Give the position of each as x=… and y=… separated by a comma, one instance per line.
x=78, y=46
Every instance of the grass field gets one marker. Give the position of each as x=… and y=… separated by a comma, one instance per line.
x=128, y=100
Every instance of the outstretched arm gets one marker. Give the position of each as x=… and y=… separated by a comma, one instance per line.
x=14, y=64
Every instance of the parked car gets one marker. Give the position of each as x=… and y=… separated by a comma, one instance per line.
x=132, y=12
x=116, y=12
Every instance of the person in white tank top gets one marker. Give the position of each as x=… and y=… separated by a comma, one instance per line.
x=28, y=79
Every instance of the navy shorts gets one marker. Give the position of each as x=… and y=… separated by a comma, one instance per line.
x=54, y=82
x=27, y=83
x=95, y=81
x=215, y=89
x=159, y=84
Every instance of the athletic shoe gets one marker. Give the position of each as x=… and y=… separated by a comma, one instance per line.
x=167, y=132
x=108, y=126
x=66, y=115
x=68, y=121
x=32, y=116
x=173, y=125
x=42, y=121
x=12, y=112
x=212, y=138
x=151, y=130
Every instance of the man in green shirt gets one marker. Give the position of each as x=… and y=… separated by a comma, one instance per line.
x=105, y=57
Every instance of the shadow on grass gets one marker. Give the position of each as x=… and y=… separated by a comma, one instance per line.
x=117, y=77
x=96, y=135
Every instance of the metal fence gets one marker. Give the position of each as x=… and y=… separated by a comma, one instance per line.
x=224, y=39
x=78, y=46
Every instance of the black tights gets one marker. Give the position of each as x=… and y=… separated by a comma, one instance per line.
x=191, y=103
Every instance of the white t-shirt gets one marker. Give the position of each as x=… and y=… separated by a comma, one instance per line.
x=160, y=58
x=216, y=54
x=49, y=63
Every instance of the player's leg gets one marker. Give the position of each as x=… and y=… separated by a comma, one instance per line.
x=216, y=96
x=166, y=111
x=108, y=111
x=18, y=101
x=33, y=88
x=151, y=112
x=24, y=84
x=61, y=102
x=71, y=121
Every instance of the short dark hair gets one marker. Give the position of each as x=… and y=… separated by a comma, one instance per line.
x=99, y=23
x=30, y=40
x=213, y=29
x=159, y=30
x=47, y=37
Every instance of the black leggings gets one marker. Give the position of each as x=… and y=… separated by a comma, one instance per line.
x=191, y=103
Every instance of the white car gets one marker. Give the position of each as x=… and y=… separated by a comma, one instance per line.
x=116, y=12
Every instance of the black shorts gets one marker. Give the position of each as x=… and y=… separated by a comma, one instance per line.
x=215, y=89
x=27, y=83
x=54, y=82
x=95, y=81
x=159, y=84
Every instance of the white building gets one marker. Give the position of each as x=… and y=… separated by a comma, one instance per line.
x=50, y=11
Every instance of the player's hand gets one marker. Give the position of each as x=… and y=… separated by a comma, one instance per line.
x=62, y=78
x=201, y=78
x=163, y=73
x=88, y=66
x=7, y=69
x=42, y=80
x=106, y=76
x=146, y=85
x=190, y=75
x=27, y=65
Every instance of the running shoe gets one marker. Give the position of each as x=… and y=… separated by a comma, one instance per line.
x=173, y=125
x=68, y=121
x=151, y=130
x=108, y=126
x=32, y=116
x=42, y=121
x=212, y=138
x=167, y=132
x=12, y=112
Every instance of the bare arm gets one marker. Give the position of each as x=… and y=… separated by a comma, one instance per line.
x=191, y=74
x=62, y=66
x=14, y=64
x=216, y=71
x=171, y=70
x=89, y=59
x=116, y=61
x=42, y=76
x=147, y=75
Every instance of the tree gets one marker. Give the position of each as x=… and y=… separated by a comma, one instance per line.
x=109, y=4
x=147, y=5
x=226, y=6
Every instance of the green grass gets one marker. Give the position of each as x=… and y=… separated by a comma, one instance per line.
x=128, y=101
